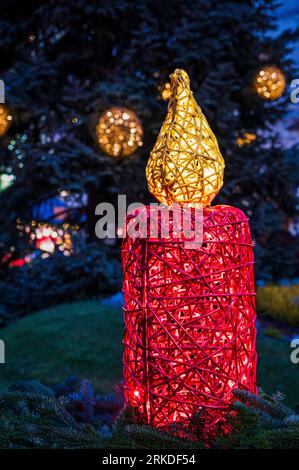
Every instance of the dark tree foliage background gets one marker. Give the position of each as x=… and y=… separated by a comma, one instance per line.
x=62, y=59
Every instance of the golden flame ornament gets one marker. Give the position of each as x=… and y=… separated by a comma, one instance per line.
x=185, y=165
x=270, y=83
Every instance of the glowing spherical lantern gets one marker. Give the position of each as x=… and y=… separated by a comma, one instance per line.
x=186, y=165
x=270, y=83
x=5, y=119
x=189, y=312
x=119, y=132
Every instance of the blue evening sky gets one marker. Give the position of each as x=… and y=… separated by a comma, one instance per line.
x=288, y=17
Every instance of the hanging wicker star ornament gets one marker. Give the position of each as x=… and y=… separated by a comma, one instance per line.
x=185, y=165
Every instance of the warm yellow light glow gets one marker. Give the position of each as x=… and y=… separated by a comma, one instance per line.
x=48, y=238
x=165, y=91
x=186, y=165
x=246, y=139
x=119, y=132
x=5, y=119
x=270, y=83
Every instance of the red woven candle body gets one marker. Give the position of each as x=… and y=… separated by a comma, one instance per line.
x=189, y=321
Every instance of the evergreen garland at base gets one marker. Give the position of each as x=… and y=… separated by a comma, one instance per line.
x=36, y=416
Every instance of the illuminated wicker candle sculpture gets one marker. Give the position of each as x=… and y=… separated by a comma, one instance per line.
x=189, y=313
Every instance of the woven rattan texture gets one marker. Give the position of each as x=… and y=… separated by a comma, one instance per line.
x=189, y=321
x=186, y=165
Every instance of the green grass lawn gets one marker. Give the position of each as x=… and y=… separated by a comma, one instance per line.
x=81, y=338
x=85, y=339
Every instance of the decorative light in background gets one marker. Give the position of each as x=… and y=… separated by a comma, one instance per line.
x=165, y=91
x=5, y=119
x=186, y=165
x=31, y=37
x=119, y=132
x=246, y=139
x=64, y=193
x=48, y=238
x=6, y=180
x=45, y=240
x=270, y=83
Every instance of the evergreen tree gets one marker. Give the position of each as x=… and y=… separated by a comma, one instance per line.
x=64, y=62
x=35, y=416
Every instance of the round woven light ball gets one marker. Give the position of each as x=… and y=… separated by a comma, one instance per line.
x=119, y=132
x=270, y=83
